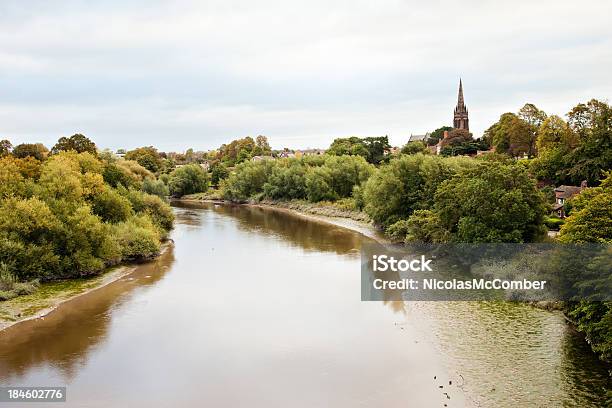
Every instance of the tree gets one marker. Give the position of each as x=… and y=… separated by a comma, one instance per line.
x=262, y=147
x=319, y=185
x=36, y=150
x=5, y=148
x=218, y=172
x=406, y=184
x=111, y=206
x=189, y=179
x=77, y=142
x=147, y=157
x=248, y=180
x=511, y=135
x=468, y=148
x=532, y=115
x=436, y=135
x=456, y=137
x=415, y=147
x=287, y=182
x=371, y=148
x=491, y=202
x=591, y=216
x=554, y=133
x=591, y=221
x=155, y=187
x=592, y=122
x=239, y=150
x=352, y=146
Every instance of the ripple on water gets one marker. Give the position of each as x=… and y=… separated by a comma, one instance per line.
x=514, y=355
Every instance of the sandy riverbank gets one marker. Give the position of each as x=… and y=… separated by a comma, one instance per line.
x=51, y=295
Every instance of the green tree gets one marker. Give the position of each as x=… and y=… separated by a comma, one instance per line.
x=77, y=142
x=155, y=187
x=415, y=147
x=218, y=172
x=248, y=180
x=111, y=206
x=591, y=221
x=188, y=179
x=287, y=181
x=147, y=157
x=436, y=135
x=555, y=133
x=406, y=184
x=593, y=124
x=491, y=202
x=262, y=147
x=319, y=185
x=373, y=149
x=511, y=135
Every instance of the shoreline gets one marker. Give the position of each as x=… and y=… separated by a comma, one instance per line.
x=361, y=227
x=75, y=288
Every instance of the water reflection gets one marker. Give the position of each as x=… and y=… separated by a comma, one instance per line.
x=260, y=308
x=300, y=232
x=64, y=339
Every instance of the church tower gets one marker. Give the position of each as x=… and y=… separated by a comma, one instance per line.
x=460, y=119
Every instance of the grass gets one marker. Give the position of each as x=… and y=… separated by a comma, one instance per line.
x=44, y=296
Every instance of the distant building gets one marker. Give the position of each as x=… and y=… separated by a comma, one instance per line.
x=418, y=138
x=460, y=115
x=260, y=158
x=313, y=152
x=564, y=193
x=286, y=154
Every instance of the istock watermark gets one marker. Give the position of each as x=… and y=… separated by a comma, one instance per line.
x=522, y=272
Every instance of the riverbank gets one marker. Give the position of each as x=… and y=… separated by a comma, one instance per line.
x=324, y=212
x=49, y=296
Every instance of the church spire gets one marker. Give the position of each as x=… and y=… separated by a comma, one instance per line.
x=460, y=117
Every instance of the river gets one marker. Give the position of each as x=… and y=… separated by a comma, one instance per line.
x=261, y=308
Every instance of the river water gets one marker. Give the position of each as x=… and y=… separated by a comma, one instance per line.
x=261, y=308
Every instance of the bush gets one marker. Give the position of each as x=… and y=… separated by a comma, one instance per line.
x=65, y=223
x=247, y=180
x=319, y=185
x=155, y=187
x=111, y=206
x=491, y=202
x=138, y=238
x=188, y=179
x=553, y=223
x=159, y=211
x=406, y=184
x=286, y=182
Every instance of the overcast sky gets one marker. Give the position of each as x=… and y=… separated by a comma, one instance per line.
x=180, y=74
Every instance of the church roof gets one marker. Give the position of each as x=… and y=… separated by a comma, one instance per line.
x=415, y=138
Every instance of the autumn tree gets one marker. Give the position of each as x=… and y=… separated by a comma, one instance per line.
x=35, y=150
x=5, y=147
x=77, y=142
x=147, y=157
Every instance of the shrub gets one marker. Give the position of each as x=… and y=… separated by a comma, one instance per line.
x=188, y=179
x=137, y=237
x=155, y=187
x=318, y=185
x=406, y=184
x=111, y=206
x=247, y=180
x=286, y=182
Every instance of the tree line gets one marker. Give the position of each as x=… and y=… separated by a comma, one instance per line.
x=71, y=212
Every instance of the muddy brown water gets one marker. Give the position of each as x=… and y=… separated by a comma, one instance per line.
x=257, y=307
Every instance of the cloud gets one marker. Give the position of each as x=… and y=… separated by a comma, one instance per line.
x=196, y=74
